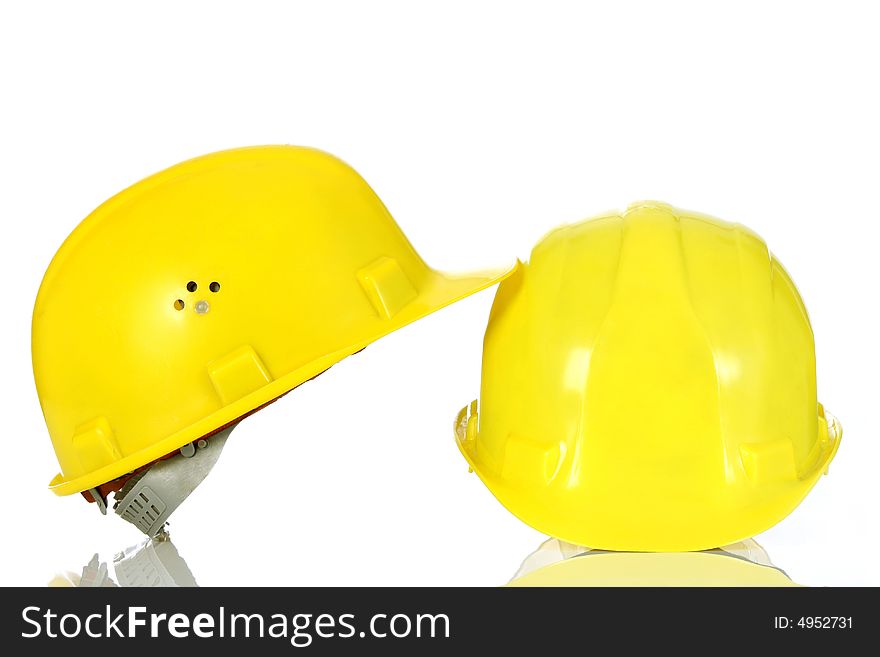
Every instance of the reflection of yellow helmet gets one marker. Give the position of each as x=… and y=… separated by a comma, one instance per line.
x=655, y=569
x=649, y=384
x=557, y=563
x=208, y=290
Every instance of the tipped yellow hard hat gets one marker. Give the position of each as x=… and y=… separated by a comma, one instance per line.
x=206, y=291
x=649, y=385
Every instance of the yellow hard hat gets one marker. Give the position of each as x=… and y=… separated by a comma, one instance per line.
x=204, y=292
x=649, y=385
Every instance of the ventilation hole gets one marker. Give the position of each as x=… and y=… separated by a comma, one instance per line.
x=215, y=286
x=192, y=286
x=179, y=304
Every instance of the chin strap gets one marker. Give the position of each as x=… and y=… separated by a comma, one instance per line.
x=147, y=500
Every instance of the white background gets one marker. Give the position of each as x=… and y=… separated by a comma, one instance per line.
x=481, y=125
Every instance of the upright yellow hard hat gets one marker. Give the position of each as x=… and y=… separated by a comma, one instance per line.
x=206, y=291
x=649, y=385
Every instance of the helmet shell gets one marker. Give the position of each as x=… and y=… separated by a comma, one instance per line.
x=649, y=385
x=206, y=291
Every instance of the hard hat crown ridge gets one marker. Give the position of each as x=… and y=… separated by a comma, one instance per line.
x=649, y=384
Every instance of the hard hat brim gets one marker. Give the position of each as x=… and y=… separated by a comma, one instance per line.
x=568, y=527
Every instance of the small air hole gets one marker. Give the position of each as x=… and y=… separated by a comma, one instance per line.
x=215, y=286
x=192, y=286
x=179, y=304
